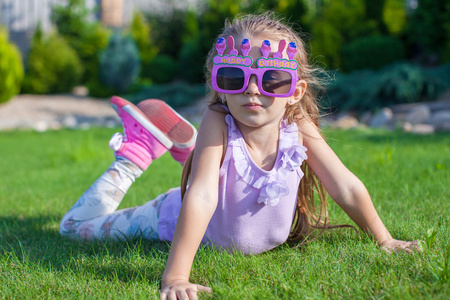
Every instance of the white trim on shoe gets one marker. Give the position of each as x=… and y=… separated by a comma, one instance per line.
x=194, y=136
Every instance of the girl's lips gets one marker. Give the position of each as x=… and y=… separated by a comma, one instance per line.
x=253, y=106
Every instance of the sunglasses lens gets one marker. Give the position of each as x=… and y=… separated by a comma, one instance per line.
x=230, y=79
x=276, y=82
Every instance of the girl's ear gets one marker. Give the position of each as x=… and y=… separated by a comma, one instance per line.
x=298, y=93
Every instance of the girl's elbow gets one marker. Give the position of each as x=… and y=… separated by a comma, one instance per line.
x=350, y=193
x=207, y=201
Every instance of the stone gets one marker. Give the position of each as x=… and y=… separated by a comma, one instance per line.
x=407, y=127
x=440, y=120
x=40, y=126
x=111, y=122
x=345, y=122
x=365, y=117
x=422, y=129
x=69, y=121
x=84, y=125
x=80, y=91
x=382, y=118
x=54, y=125
x=418, y=114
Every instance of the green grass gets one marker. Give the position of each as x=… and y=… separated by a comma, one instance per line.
x=43, y=174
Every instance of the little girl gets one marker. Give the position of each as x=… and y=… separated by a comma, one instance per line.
x=258, y=158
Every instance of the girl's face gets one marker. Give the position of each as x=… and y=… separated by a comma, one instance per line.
x=251, y=108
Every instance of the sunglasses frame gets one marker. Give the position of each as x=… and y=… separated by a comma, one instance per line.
x=259, y=73
x=264, y=64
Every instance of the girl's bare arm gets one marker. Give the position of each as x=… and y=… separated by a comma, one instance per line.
x=197, y=208
x=346, y=189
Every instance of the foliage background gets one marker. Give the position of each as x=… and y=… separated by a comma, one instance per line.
x=346, y=38
x=11, y=68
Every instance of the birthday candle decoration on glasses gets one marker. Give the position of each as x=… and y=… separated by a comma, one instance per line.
x=265, y=48
x=245, y=47
x=291, y=50
x=220, y=45
x=279, y=53
x=231, y=46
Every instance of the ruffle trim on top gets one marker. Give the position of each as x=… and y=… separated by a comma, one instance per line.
x=271, y=183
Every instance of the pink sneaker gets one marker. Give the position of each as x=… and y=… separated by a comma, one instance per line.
x=177, y=129
x=143, y=141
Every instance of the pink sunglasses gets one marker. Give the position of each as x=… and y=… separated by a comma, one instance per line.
x=276, y=76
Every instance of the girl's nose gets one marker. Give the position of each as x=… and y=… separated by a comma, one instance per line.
x=252, y=88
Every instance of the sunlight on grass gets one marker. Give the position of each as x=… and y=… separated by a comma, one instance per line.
x=44, y=173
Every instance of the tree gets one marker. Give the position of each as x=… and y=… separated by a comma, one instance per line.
x=85, y=37
x=293, y=11
x=142, y=34
x=394, y=16
x=119, y=62
x=338, y=23
x=429, y=30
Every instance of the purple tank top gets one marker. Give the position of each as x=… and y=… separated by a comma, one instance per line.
x=256, y=207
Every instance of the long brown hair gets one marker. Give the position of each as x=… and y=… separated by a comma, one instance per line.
x=308, y=216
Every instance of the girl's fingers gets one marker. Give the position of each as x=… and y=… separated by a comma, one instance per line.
x=202, y=288
x=182, y=295
x=184, y=292
x=395, y=245
x=163, y=296
x=192, y=295
x=408, y=247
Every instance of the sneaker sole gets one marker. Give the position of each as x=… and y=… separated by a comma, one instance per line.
x=141, y=118
x=179, y=130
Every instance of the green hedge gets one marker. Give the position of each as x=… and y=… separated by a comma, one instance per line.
x=394, y=84
x=52, y=66
x=162, y=69
x=11, y=68
x=120, y=63
x=372, y=52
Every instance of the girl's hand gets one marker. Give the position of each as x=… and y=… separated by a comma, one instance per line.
x=181, y=289
x=394, y=245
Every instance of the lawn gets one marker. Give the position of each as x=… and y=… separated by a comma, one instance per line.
x=43, y=174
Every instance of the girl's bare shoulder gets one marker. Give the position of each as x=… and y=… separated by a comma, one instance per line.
x=308, y=131
x=213, y=130
x=214, y=119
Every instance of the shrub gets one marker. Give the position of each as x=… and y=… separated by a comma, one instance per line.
x=119, y=63
x=325, y=47
x=11, y=68
x=337, y=23
x=372, y=52
x=140, y=30
x=401, y=83
x=441, y=76
x=99, y=90
x=394, y=16
x=190, y=57
x=394, y=84
x=428, y=31
x=162, y=69
x=87, y=38
x=52, y=66
x=89, y=46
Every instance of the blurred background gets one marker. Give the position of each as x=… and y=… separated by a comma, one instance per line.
x=376, y=53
